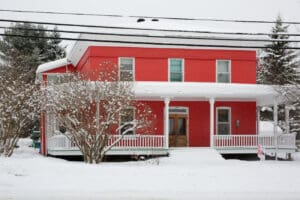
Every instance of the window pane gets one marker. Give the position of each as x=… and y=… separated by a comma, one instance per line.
x=176, y=77
x=127, y=116
x=175, y=68
x=126, y=64
x=223, y=115
x=223, y=129
x=223, y=66
x=181, y=126
x=171, y=126
x=126, y=76
x=176, y=62
x=223, y=78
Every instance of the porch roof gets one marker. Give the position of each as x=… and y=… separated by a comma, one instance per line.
x=195, y=91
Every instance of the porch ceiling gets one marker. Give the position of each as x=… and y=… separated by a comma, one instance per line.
x=192, y=91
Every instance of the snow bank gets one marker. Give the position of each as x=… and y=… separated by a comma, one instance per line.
x=266, y=128
x=193, y=173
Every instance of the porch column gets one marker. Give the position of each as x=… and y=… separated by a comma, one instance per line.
x=287, y=119
x=211, y=103
x=166, y=122
x=275, y=118
x=258, y=120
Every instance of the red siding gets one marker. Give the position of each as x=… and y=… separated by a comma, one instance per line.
x=245, y=112
x=198, y=119
x=151, y=64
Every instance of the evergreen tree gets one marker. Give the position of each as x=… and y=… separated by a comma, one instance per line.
x=26, y=53
x=279, y=65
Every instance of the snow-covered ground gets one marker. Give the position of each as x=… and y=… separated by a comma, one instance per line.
x=187, y=174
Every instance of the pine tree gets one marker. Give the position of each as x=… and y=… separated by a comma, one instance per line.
x=279, y=65
x=26, y=53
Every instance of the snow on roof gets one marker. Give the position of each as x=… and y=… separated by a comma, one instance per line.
x=262, y=94
x=165, y=38
x=52, y=65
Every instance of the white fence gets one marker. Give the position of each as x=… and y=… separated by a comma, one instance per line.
x=61, y=142
x=249, y=141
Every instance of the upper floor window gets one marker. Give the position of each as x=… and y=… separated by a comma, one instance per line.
x=176, y=70
x=126, y=69
x=223, y=71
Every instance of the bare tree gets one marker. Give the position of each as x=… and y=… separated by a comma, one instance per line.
x=89, y=108
x=19, y=105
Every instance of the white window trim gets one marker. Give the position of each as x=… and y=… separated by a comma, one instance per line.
x=133, y=66
x=134, y=109
x=186, y=109
x=169, y=67
x=217, y=120
x=229, y=61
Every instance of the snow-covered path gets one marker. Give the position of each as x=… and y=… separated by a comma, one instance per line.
x=192, y=174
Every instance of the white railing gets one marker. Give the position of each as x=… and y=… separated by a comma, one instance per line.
x=61, y=142
x=248, y=141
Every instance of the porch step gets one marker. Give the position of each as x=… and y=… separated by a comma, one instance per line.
x=192, y=155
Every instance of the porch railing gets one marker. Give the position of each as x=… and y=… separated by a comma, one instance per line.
x=61, y=142
x=249, y=141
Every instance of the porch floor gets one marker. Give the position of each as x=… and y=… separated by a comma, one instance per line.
x=163, y=151
x=114, y=151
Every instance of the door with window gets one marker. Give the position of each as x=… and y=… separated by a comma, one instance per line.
x=177, y=130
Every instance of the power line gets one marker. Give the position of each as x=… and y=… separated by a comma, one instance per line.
x=145, y=29
x=144, y=43
x=154, y=36
x=148, y=17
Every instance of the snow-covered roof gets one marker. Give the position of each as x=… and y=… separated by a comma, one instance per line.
x=164, y=34
x=192, y=91
x=52, y=65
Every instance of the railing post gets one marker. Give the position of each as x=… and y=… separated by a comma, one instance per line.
x=211, y=104
x=275, y=118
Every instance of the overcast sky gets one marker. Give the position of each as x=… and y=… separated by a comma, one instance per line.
x=223, y=9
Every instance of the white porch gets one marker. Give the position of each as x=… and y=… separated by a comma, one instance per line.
x=60, y=145
x=184, y=91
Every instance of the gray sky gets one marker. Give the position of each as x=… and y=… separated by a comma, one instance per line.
x=225, y=9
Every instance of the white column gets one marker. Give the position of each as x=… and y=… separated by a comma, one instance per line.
x=211, y=103
x=287, y=119
x=275, y=118
x=257, y=120
x=166, y=122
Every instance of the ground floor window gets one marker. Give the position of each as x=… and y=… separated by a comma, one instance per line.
x=126, y=116
x=223, y=121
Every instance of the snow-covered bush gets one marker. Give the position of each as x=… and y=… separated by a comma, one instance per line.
x=19, y=106
x=89, y=108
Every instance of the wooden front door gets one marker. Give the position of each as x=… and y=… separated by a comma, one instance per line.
x=177, y=130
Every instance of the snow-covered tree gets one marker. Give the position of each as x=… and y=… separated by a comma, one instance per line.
x=29, y=52
x=19, y=105
x=22, y=55
x=279, y=65
x=89, y=108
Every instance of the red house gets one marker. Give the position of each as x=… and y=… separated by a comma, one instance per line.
x=203, y=91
